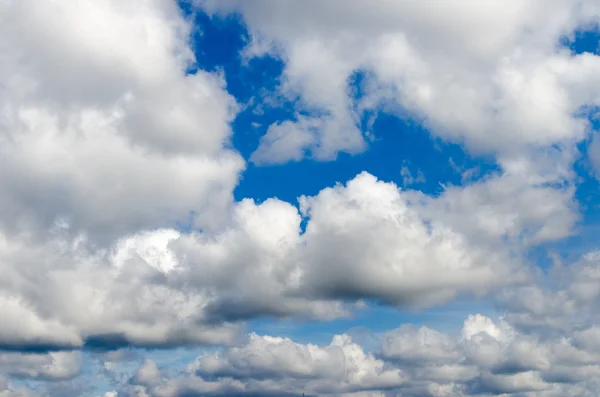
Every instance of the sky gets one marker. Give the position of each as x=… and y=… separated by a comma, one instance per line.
x=264, y=198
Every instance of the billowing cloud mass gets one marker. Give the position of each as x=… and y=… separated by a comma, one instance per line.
x=121, y=236
x=487, y=358
x=103, y=130
x=53, y=366
x=490, y=74
x=362, y=241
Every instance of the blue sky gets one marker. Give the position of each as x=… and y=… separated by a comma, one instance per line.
x=423, y=181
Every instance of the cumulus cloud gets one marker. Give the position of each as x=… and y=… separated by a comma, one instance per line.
x=50, y=366
x=493, y=75
x=487, y=358
x=110, y=138
x=564, y=299
x=277, y=366
x=108, y=141
x=364, y=240
x=104, y=129
x=104, y=134
x=66, y=293
x=530, y=201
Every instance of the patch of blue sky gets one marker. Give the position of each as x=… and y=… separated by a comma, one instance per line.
x=584, y=40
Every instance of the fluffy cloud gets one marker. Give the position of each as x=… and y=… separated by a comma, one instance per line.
x=565, y=299
x=491, y=75
x=108, y=141
x=365, y=240
x=104, y=133
x=104, y=129
x=110, y=137
x=369, y=241
x=340, y=367
x=51, y=366
x=487, y=358
x=66, y=293
x=273, y=366
x=530, y=201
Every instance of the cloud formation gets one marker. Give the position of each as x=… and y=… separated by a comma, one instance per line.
x=362, y=241
x=487, y=358
x=492, y=75
x=104, y=130
x=119, y=228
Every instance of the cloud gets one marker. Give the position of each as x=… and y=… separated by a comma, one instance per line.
x=99, y=166
x=51, y=366
x=8, y=390
x=104, y=129
x=344, y=364
x=487, y=358
x=530, y=201
x=105, y=139
x=362, y=241
x=118, y=226
x=271, y=366
x=365, y=240
x=564, y=299
x=493, y=76
x=67, y=294
x=408, y=178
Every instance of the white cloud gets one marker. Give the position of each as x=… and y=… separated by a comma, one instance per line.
x=563, y=300
x=103, y=129
x=69, y=292
x=269, y=365
x=365, y=240
x=106, y=142
x=491, y=75
x=408, y=178
x=341, y=366
x=488, y=358
x=529, y=201
x=369, y=241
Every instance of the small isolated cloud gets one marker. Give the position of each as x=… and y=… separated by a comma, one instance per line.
x=409, y=179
